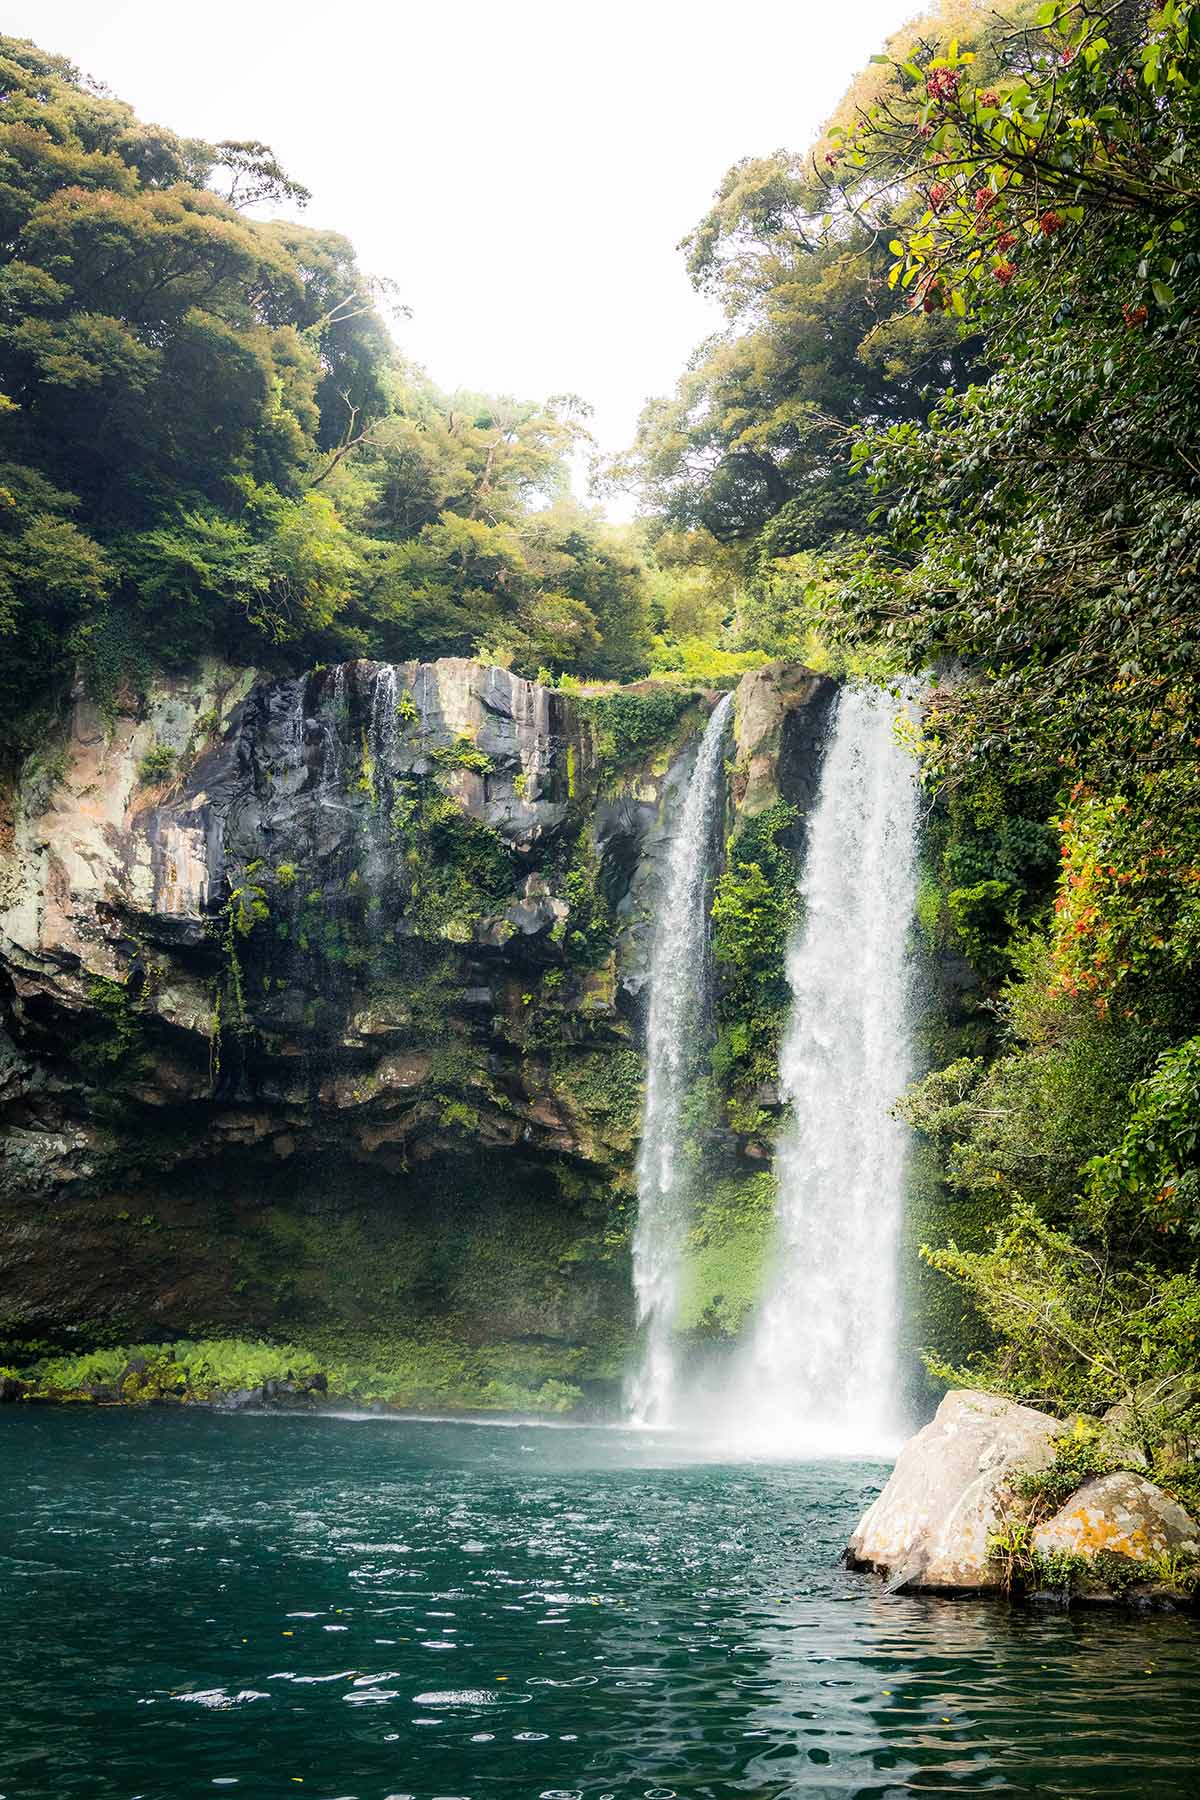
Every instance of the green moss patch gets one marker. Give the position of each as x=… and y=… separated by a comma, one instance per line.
x=726, y=1256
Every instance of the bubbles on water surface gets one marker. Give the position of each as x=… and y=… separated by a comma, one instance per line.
x=459, y=1697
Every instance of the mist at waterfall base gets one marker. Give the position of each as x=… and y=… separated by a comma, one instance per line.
x=195, y=1604
x=816, y=1373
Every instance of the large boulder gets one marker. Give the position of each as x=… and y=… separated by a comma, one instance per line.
x=1121, y=1514
x=950, y=1491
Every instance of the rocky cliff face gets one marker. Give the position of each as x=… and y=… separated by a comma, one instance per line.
x=321, y=1001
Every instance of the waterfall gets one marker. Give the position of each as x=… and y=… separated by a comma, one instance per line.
x=675, y=1038
x=819, y=1372
x=384, y=728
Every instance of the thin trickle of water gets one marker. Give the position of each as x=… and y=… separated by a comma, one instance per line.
x=383, y=717
x=820, y=1370
x=296, y=721
x=332, y=750
x=680, y=977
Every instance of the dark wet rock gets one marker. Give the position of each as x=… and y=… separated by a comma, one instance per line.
x=288, y=1394
x=237, y=1399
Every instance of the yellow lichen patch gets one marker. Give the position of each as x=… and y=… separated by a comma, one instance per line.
x=1091, y=1533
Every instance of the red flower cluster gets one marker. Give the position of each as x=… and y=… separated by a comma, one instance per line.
x=1005, y=241
x=1050, y=222
x=983, y=198
x=939, y=192
x=1004, y=272
x=943, y=83
x=989, y=97
x=1135, y=316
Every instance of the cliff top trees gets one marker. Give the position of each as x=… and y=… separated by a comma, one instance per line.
x=753, y=448
x=211, y=442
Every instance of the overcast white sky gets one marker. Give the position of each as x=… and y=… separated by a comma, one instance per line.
x=523, y=170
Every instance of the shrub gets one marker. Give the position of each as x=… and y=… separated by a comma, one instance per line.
x=628, y=725
x=157, y=763
x=461, y=754
x=755, y=909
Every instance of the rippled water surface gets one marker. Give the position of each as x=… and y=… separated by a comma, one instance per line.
x=334, y=1607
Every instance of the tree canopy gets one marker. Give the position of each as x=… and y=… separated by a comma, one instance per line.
x=208, y=440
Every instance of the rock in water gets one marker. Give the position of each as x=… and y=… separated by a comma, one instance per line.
x=1123, y=1514
x=949, y=1492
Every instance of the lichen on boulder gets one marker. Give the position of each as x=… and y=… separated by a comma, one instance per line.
x=1121, y=1514
x=964, y=1512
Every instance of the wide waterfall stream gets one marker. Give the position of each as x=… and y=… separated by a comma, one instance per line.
x=819, y=1372
x=818, y=1369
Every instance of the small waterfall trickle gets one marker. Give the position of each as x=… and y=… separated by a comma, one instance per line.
x=384, y=725
x=679, y=1007
x=819, y=1372
x=333, y=751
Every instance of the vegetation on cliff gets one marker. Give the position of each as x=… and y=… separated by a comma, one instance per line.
x=951, y=426
x=1038, y=533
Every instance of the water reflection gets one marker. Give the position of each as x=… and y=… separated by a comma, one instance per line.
x=276, y=1606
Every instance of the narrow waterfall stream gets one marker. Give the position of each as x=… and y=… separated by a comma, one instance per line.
x=819, y=1371
x=680, y=973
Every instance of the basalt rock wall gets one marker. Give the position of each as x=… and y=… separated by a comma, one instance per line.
x=321, y=1001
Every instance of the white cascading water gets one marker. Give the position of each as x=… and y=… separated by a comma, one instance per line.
x=680, y=976
x=819, y=1372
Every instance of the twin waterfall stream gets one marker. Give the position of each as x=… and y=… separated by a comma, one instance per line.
x=680, y=1008
x=816, y=1370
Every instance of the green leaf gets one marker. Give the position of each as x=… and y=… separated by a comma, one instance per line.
x=1164, y=295
x=896, y=247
